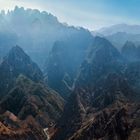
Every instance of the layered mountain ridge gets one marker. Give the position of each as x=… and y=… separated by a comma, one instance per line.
x=37, y=32
x=98, y=77
x=120, y=33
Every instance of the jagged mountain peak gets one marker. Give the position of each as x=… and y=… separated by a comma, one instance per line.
x=99, y=39
x=102, y=43
x=130, y=52
x=102, y=58
x=16, y=48
x=129, y=47
x=102, y=49
x=15, y=63
x=19, y=62
x=37, y=32
x=17, y=52
x=129, y=44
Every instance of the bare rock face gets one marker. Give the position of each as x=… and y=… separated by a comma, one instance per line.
x=59, y=69
x=11, y=129
x=64, y=62
x=129, y=51
x=106, y=106
x=114, y=122
x=103, y=104
x=15, y=63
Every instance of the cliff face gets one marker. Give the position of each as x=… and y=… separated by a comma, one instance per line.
x=129, y=51
x=11, y=128
x=114, y=122
x=103, y=101
x=15, y=63
x=63, y=64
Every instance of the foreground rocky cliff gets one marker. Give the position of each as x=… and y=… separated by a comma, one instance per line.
x=27, y=104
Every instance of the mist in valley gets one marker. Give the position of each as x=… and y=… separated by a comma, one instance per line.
x=65, y=82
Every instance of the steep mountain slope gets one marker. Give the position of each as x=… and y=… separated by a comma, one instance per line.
x=102, y=58
x=27, y=98
x=112, y=123
x=63, y=64
x=15, y=63
x=129, y=51
x=11, y=129
x=27, y=105
x=101, y=106
x=59, y=68
x=132, y=72
x=133, y=76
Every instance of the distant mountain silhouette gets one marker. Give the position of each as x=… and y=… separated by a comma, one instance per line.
x=36, y=32
x=130, y=29
x=120, y=33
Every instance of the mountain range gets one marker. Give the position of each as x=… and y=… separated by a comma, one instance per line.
x=37, y=32
x=119, y=34
x=66, y=83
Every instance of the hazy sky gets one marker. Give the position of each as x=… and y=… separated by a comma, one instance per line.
x=92, y=14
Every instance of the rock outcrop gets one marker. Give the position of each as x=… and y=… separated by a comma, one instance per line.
x=15, y=63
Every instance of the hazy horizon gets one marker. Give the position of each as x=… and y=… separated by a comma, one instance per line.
x=92, y=15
